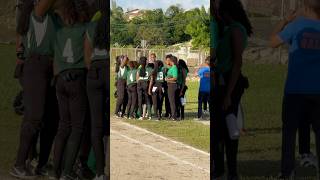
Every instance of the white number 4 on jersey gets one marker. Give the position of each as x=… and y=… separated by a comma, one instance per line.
x=67, y=52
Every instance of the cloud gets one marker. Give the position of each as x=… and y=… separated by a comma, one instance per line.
x=164, y=4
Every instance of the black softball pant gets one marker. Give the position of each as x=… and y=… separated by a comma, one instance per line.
x=298, y=109
x=99, y=99
x=132, y=100
x=166, y=100
x=203, y=98
x=122, y=96
x=41, y=109
x=173, y=96
x=142, y=90
x=157, y=99
x=221, y=141
x=73, y=107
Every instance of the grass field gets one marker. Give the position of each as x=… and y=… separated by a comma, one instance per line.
x=9, y=122
x=259, y=150
x=188, y=131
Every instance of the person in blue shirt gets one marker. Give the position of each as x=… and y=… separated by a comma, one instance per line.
x=204, y=89
x=301, y=102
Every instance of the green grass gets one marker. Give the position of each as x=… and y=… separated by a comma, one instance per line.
x=9, y=122
x=188, y=131
x=259, y=150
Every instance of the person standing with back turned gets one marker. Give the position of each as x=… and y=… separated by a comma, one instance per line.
x=301, y=101
x=37, y=32
x=97, y=87
x=229, y=86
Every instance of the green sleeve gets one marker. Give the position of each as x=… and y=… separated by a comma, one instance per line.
x=214, y=34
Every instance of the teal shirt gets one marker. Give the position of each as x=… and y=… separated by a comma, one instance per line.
x=160, y=75
x=122, y=73
x=97, y=54
x=131, y=76
x=173, y=72
x=147, y=75
x=69, y=49
x=40, y=37
x=213, y=33
x=224, y=48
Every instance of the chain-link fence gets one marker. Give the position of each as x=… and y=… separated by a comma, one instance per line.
x=193, y=58
x=264, y=15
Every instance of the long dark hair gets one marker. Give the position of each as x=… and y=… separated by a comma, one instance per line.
x=101, y=37
x=82, y=8
x=23, y=18
x=235, y=9
x=143, y=63
x=118, y=62
x=183, y=65
x=69, y=11
x=157, y=65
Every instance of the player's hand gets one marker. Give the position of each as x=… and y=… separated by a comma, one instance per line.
x=149, y=92
x=19, y=61
x=292, y=16
x=226, y=103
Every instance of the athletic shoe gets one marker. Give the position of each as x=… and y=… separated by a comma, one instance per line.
x=233, y=177
x=308, y=160
x=83, y=171
x=217, y=176
x=287, y=177
x=22, y=173
x=141, y=118
x=102, y=177
x=43, y=171
x=53, y=175
x=149, y=118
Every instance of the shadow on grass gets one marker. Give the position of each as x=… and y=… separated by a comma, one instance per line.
x=265, y=169
x=265, y=130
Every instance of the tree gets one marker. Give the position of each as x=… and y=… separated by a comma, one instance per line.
x=198, y=28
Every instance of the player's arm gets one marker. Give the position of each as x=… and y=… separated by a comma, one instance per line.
x=150, y=85
x=137, y=75
x=275, y=39
x=237, y=46
x=87, y=51
x=42, y=6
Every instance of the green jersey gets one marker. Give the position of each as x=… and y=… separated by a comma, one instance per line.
x=40, y=36
x=97, y=54
x=131, y=76
x=122, y=73
x=160, y=76
x=173, y=72
x=147, y=75
x=224, y=48
x=69, y=50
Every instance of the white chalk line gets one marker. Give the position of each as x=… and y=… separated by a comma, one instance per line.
x=167, y=139
x=159, y=151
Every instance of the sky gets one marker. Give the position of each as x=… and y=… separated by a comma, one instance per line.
x=164, y=4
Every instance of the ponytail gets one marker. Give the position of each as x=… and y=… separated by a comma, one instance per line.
x=101, y=37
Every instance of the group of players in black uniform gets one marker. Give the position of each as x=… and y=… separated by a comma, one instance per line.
x=145, y=85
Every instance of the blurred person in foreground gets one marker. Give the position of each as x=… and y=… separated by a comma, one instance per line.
x=301, y=101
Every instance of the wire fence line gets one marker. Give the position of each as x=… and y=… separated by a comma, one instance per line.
x=264, y=15
x=192, y=57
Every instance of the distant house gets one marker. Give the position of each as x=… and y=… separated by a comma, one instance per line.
x=133, y=14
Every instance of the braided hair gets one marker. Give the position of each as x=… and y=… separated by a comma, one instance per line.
x=101, y=37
